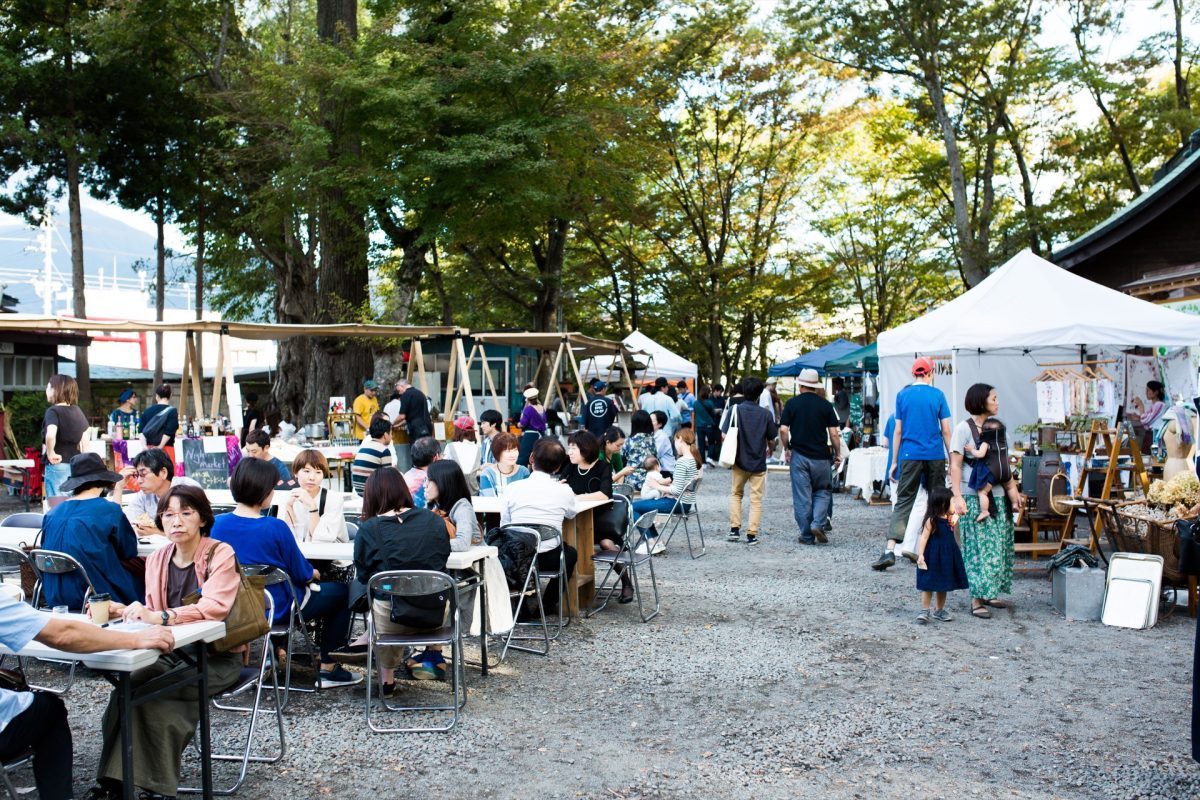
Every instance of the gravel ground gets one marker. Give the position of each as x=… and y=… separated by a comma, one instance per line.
x=775, y=671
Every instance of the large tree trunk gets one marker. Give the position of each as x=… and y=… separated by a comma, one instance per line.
x=340, y=366
x=75, y=214
x=160, y=288
x=200, y=231
x=1182, y=94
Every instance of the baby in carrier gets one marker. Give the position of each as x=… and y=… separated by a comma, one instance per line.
x=988, y=458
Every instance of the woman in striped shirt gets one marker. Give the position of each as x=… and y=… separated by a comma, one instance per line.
x=687, y=459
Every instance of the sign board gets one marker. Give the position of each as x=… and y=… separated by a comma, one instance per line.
x=209, y=469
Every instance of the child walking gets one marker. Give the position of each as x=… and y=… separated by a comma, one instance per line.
x=940, y=567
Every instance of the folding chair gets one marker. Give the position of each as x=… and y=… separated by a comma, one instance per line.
x=623, y=489
x=529, y=538
x=680, y=514
x=417, y=583
x=351, y=530
x=15, y=764
x=252, y=679
x=11, y=561
x=52, y=562
x=273, y=576
x=630, y=561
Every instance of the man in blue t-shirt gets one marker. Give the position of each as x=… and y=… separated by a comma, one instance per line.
x=600, y=412
x=918, y=450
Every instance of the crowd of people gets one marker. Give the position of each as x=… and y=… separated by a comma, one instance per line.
x=414, y=515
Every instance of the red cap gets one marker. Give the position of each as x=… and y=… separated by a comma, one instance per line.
x=922, y=366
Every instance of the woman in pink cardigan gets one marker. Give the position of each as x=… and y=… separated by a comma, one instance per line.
x=192, y=563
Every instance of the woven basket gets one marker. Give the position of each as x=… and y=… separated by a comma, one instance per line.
x=1128, y=533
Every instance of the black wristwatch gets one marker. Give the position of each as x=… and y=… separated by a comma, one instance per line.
x=166, y=618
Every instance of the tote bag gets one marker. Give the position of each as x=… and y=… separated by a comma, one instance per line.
x=247, y=619
x=728, y=455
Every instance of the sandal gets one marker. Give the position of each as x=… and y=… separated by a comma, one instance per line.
x=996, y=603
x=981, y=612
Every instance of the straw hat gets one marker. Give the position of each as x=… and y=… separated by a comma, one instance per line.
x=810, y=379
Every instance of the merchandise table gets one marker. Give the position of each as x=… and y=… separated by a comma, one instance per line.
x=866, y=465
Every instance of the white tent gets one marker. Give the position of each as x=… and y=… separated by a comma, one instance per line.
x=658, y=359
x=1028, y=312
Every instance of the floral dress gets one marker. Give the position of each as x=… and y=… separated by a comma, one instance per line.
x=637, y=449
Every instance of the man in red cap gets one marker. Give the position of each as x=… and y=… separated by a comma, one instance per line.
x=919, y=447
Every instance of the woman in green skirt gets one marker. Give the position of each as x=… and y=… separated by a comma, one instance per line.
x=987, y=544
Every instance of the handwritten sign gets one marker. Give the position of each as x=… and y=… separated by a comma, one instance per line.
x=210, y=470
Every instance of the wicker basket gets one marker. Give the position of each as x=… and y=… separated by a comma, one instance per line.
x=1128, y=533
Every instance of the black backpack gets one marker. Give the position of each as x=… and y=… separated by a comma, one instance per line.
x=516, y=553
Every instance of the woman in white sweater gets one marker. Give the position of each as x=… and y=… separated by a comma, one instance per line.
x=314, y=513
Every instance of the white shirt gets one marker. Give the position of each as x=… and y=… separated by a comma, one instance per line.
x=539, y=500
x=330, y=528
x=392, y=409
x=146, y=503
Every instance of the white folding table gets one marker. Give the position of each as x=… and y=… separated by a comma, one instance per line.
x=118, y=666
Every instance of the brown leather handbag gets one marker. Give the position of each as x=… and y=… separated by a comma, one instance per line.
x=247, y=618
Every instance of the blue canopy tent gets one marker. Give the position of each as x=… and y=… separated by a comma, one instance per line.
x=814, y=360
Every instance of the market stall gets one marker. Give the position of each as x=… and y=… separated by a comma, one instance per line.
x=817, y=359
x=1006, y=330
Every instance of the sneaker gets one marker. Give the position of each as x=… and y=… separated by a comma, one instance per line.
x=923, y=617
x=819, y=534
x=643, y=548
x=806, y=540
x=751, y=539
x=734, y=536
x=711, y=462
x=338, y=676
x=657, y=546
x=428, y=666
x=942, y=615
x=886, y=559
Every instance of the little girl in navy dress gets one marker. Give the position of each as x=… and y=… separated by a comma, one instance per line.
x=940, y=567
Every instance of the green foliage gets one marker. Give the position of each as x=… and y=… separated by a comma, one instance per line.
x=26, y=410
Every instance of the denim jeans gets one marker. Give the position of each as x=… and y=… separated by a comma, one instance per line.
x=812, y=492
x=55, y=476
x=662, y=505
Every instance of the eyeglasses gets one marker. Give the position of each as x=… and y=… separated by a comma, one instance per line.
x=142, y=474
x=171, y=516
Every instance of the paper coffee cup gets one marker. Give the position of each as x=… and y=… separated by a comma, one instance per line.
x=98, y=605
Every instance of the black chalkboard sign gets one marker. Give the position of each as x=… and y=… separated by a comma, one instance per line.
x=210, y=470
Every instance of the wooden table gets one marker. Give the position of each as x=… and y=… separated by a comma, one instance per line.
x=118, y=666
x=580, y=533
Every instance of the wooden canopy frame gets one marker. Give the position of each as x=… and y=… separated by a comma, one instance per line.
x=192, y=377
x=553, y=347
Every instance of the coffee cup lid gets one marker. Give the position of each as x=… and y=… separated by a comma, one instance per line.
x=100, y=597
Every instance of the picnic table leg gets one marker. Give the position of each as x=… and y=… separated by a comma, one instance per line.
x=484, y=620
x=206, y=781
x=125, y=706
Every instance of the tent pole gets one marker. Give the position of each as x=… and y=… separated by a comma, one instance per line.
x=633, y=389
x=488, y=376
x=953, y=380
x=218, y=376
